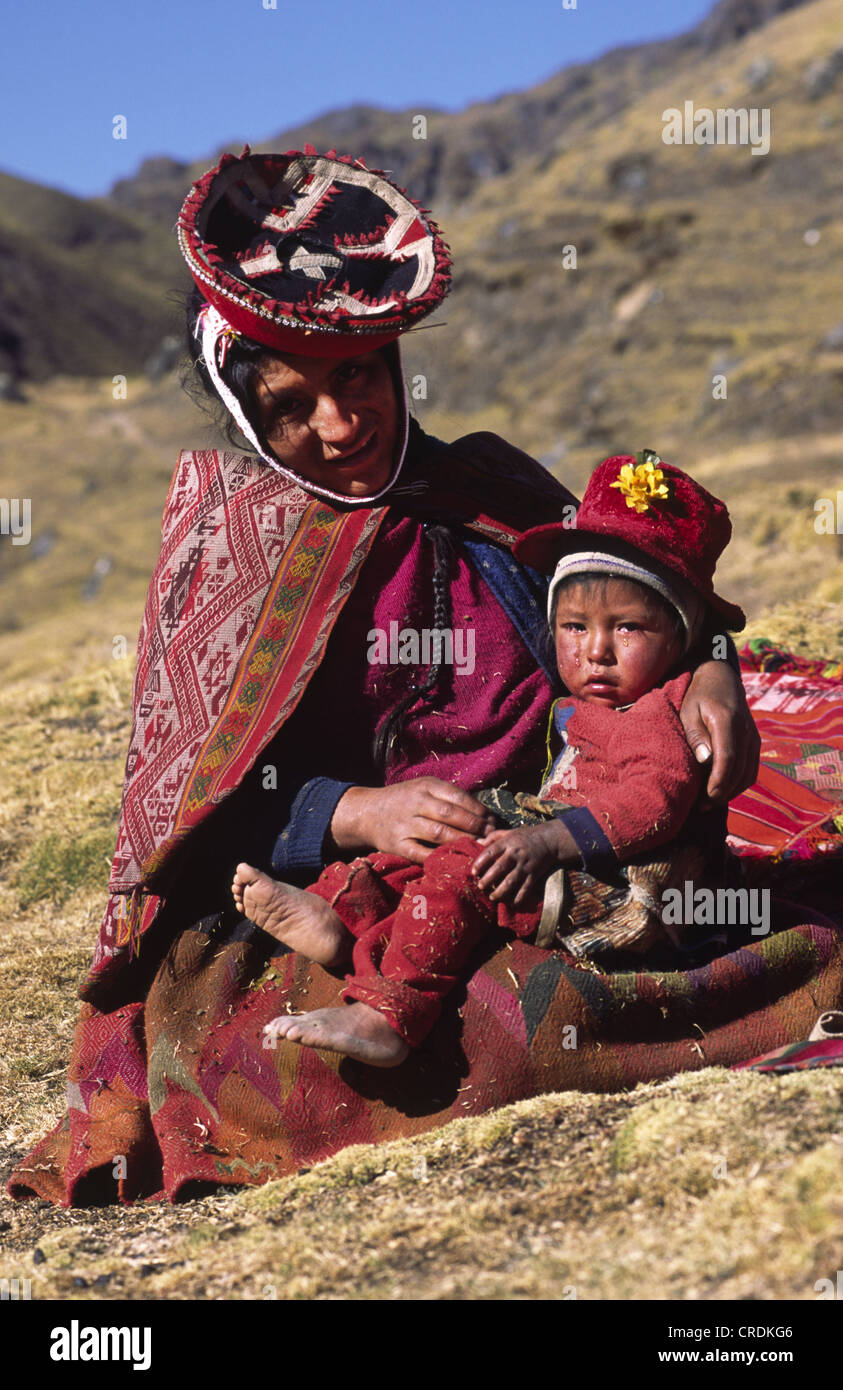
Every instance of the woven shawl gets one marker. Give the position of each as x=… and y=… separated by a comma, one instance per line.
x=251, y=579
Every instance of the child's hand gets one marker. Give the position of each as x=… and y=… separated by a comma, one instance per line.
x=515, y=863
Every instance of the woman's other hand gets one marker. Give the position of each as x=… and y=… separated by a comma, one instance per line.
x=718, y=724
x=408, y=818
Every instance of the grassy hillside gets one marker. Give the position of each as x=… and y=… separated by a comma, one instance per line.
x=75, y=277
x=709, y=1186
x=699, y=268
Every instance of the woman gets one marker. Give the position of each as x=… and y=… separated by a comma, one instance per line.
x=264, y=731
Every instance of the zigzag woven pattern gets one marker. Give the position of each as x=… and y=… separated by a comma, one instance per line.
x=245, y=558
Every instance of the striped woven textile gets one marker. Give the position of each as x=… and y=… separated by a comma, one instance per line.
x=801, y=1056
x=795, y=809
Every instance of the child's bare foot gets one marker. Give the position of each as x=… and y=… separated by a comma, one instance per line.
x=303, y=921
x=353, y=1029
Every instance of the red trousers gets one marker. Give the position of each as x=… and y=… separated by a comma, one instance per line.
x=415, y=927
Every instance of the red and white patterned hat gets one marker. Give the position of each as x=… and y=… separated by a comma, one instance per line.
x=312, y=254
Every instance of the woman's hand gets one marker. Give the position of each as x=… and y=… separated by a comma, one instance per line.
x=716, y=720
x=408, y=818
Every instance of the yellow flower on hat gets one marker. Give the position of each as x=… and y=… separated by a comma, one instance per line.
x=643, y=483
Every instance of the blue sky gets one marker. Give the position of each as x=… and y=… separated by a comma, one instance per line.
x=193, y=75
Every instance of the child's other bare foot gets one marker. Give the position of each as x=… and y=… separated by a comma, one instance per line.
x=303, y=921
x=353, y=1029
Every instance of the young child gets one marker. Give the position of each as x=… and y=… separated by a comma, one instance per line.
x=614, y=824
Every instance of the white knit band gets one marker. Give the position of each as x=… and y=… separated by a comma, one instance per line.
x=211, y=329
x=678, y=593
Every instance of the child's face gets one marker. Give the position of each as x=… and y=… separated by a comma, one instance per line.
x=612, y=643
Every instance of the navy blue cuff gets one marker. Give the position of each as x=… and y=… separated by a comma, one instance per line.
x=300, y=846
x=598, y=857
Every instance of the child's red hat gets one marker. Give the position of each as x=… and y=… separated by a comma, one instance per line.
x=641, y=504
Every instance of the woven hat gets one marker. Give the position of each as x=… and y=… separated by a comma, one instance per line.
x=635, y=507
x=311, y=254
x=314, y=255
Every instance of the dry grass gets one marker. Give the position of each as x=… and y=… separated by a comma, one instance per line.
x=709, y=1186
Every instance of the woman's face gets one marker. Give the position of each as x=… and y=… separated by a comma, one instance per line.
x=332, y=421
